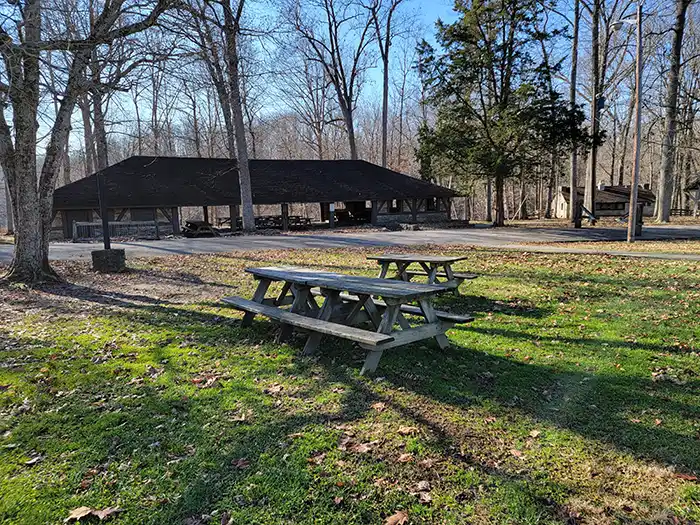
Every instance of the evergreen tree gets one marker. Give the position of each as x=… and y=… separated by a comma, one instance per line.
x=497, y=113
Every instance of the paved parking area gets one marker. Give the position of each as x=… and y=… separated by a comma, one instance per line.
x=511, y=237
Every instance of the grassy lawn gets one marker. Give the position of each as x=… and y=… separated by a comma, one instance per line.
x=574, y=398
x=688, y=246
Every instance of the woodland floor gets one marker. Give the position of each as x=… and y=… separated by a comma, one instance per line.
x=573, y=398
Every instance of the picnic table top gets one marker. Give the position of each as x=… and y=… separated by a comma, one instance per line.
x=417, y=257
x=355, y=284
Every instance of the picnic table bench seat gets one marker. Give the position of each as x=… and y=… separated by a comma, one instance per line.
x=351, y=333
x=408, y=309
x=443, y=275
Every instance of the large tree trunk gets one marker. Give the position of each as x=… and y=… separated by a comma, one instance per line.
x=665, y=191
x=500, y=199
x=590, y=189
x=573, y=162
x=231, y=32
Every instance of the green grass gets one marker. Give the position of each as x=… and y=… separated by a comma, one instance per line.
x=574, y=398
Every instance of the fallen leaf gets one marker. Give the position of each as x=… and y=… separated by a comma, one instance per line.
x=517, y=453
x=658, y=422
x=405, y=431
x=317, y=459
x=360, y=448
x=534, y=433
x=405, y=458
x=106, y=513
x=273, y=389
x=33, y=461
x=426, y=463
x=425, y=497
x=398, y=518
x=78, y=513
x=423, y=486
x=379, y=406
x=687, y=477
x=241, y=464
x=295, y=435
x=337, y=500
x=489, y=419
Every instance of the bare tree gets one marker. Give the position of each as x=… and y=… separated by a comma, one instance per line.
x=339, y=43
x=382, y=18
x=22, y=44
x=668, y=151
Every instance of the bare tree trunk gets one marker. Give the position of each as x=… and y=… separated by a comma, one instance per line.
x=87, y=133
x=500, y=199
x=231, y=30
x=665, y=190
x=625, y=137
x=590, y=190
x=573, y=162
x=489, y=200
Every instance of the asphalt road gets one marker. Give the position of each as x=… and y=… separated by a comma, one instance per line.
x=481, y=236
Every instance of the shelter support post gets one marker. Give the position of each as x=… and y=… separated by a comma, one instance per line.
x=175, y=218
x=285, y=217
x=331, y=215
x=414, y=211
x=205, y=213
x=234, y=213
x=375, y=212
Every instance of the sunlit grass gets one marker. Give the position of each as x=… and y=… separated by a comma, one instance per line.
x=572, y=399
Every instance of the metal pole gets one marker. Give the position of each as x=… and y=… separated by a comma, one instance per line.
x=101, y=193
x=632, y=224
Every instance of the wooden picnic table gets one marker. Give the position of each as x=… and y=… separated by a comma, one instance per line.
x=436, y=268
x=348, y=303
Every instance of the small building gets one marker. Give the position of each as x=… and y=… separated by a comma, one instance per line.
x=151, y=192
x=610, y=201
x=692, y=190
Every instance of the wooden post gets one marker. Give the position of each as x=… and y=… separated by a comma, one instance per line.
x=285, y=217
x=375, y=212
x=101, y=194
x=414, y=210
x=175, y=218
x=233, y=213
x=331, y=215
x=155, y=222
x=205, y=211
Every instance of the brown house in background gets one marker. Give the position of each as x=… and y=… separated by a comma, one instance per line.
x=610, y=201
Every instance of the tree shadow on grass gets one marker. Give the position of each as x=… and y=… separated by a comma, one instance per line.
x=169, y=454
x=615, y=409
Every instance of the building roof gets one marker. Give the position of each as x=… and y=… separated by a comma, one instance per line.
x=613, y=194
x=141, y=181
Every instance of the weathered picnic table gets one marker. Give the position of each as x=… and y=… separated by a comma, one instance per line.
x=434, y=267
x=348, y=303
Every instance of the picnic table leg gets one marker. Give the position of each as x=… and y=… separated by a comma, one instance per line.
x=430, y=316
x=385, y=327
x=384, y=270
x=301, y=295
x=258, y=296
x=451, y=278
x=314, y=339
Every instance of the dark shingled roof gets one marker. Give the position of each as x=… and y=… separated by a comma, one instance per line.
x=613, y=194
x=187, y=181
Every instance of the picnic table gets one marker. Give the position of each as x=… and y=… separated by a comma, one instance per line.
x=434, y=267
x=194, y=228
x=350, y=308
